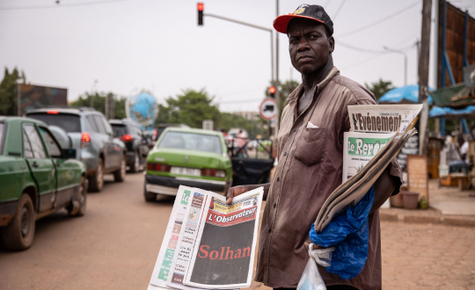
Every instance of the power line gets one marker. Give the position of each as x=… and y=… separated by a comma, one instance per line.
x=59, y=5
x=361, y=49
x=380, y=20
x=339, y=9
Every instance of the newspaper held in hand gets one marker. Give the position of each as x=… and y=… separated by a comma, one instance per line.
x=214, y=245
x=396, y=122
x=382, y=118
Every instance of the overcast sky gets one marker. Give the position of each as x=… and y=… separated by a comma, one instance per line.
x=126, y=46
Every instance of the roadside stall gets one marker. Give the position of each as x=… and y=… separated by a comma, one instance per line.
x=456, y=102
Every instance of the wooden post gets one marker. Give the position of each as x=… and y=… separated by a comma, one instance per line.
x=424, y=74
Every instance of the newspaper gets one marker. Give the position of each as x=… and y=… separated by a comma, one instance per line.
x=359, y=149
x=209, y=244
x=396, y=122
x=382, y=118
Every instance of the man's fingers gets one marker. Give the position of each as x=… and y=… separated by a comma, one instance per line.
x=234, y=191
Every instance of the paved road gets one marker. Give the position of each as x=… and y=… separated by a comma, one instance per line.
x=425, y=256
x=116, y=244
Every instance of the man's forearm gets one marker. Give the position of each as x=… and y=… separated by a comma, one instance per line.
x=384, y=187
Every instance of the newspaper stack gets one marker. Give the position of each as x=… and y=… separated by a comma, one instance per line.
x=208, y=244
x=374, y=140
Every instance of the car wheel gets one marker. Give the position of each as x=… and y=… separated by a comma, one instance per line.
x=96, y=182
x=119, y=175
x=81, y=199
x=19, y=233
x=149, y=197
x=136, y=165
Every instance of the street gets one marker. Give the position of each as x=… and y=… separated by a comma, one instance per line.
x=115, y=245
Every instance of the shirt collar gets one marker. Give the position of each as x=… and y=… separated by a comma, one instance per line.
x=299, y=90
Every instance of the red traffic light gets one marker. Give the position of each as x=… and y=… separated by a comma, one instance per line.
x=272, y=90
x=200, y=6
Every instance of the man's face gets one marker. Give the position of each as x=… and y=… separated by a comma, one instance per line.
x=309, y=46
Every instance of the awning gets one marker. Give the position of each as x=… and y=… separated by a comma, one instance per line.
x=456, y=96
x=451, y=113
x=403, y=95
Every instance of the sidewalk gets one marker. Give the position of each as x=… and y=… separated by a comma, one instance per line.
x=447, y=206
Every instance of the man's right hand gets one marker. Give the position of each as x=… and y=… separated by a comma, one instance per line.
x=235, y=191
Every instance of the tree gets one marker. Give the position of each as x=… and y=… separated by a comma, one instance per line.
x=253, y=127
x=379, y=88
x=9, y=92
x=189, y=108
x=99, y=103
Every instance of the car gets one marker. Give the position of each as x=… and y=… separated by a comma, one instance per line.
x=162, y=126
x=190, y=157
x=38, y=177
x=135, y=141
x=92, y=137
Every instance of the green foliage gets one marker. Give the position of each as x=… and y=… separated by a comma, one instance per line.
x=192, y=107
x=379, y=88
x=189, y=108
x=253, y=127
x=99, y=103
x=9, y=92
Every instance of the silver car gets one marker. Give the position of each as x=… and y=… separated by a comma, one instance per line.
x=92, y=137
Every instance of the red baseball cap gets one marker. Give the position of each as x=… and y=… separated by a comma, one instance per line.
x=306, y=11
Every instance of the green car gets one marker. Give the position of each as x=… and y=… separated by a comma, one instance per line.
x=190, y=157
x=37, y=178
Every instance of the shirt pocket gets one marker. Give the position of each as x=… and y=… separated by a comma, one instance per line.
x=310, y=148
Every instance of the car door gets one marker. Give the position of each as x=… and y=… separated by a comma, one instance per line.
x=66, y=174
x=116, y=151
x=41, y=166
x=107, y=145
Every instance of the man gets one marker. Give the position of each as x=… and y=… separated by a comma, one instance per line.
x=310, y=146
x=241, y=144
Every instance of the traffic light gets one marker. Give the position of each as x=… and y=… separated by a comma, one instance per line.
x=201, y=6
x=272, y=92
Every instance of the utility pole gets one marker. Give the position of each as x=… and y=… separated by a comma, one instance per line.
x=277, y=83
x=424, y=74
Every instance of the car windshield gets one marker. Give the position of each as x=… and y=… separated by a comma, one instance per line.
x=69, y=123
x=1, y=137
x=119, y=130
x=191, y=141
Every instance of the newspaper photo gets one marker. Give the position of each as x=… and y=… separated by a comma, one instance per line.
x=208, y=244
x=382, y=118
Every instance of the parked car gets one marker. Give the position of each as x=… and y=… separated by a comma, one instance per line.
x=37, y=178
x=191, y=157
x=135, y=141
x=92, y=137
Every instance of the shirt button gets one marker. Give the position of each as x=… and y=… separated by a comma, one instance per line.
x=278, y=179
x=275, y=204
x=270, y=230
x=285, y=153
x=295, y=130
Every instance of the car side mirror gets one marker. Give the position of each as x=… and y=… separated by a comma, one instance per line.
x=69, y=153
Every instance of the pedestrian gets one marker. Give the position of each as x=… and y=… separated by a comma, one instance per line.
x=241, y=144
x=310, y=153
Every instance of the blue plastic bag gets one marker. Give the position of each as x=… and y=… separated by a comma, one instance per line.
x=349, y=234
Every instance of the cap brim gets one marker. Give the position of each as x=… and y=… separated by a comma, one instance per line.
x=281, y=22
